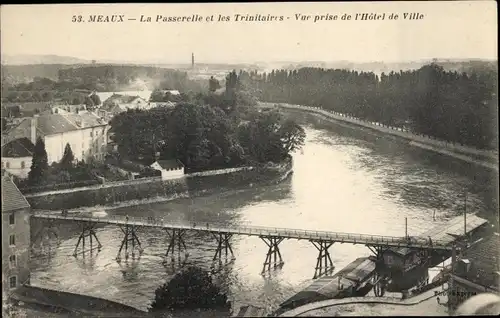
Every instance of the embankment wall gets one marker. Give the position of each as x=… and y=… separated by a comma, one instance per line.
x=190, y=185
x=481, y=157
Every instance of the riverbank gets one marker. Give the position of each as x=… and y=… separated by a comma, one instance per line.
x=480, y=157
x=56, y=301
x=154, y=190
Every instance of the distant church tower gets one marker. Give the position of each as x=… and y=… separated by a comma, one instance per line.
x=192, y=60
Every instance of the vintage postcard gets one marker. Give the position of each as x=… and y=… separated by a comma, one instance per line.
x=250, y=159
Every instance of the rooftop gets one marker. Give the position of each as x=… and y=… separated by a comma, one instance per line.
x=484, y=258
x=18, y=148
x=12, y=198
x=121, y=99
x=170, y=164
x=28, y=108
x=51, y=124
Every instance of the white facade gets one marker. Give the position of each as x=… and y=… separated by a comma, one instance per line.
x=17, y=166
x=167, y=174
x=86, y=143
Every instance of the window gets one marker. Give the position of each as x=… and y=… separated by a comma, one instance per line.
x=23, y=165
x=12, y=240
x=12, y=261
x=13, y=281
x=90, y=134
x=390, y=259
x=12, y=219
x=2, y=164
x=7, y=164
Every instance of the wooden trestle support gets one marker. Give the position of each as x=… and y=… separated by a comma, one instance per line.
x=176, y=238
x=223, y=244
x=130, y=240
x=273, y=257
x=88, y=232
x=324, y=264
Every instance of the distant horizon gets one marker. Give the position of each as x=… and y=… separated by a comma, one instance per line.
x=82, y=60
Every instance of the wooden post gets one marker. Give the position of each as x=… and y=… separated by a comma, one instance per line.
x=406, y=227
x=465, y=216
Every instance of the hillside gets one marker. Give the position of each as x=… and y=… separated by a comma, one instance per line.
x=29, y=59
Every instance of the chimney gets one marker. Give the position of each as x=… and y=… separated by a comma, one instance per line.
x=464, y=266
x=33, y=125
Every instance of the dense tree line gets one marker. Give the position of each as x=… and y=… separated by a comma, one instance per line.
x=453, y=106
x=208, y=131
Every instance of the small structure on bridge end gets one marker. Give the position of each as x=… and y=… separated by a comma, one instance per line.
x=15, y=237
x=406, y=268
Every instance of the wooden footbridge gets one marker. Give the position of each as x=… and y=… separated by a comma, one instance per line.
x=272, y=236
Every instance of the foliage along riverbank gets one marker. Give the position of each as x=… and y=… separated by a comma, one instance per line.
x=452, y=106
x=158, y=190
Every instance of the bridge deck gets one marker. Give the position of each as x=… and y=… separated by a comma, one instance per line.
x=288, y=233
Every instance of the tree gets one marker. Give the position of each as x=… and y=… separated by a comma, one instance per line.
x=213, y=84
x=96, y=99
x=89, y=103
x=68, y=158
x=39, y=164
x=190, y=289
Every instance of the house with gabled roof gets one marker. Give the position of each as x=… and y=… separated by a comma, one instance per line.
x=85, y=132
x=16, y=157
x=170, y=169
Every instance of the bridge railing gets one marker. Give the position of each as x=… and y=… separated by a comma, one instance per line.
x=258, y=230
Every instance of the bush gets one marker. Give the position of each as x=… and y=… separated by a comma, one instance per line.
x=190, y=289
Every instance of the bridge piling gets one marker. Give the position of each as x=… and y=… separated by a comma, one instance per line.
x=87, y=232
x=223, y=244
x=130, y=237
x=176, y=237
x=273, y=252
x=324, y=262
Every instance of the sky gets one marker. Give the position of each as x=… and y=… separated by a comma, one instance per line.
x=451, y=30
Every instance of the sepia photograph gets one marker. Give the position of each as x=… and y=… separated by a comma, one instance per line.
x=270, y=159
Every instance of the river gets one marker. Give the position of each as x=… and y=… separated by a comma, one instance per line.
x=344, y=180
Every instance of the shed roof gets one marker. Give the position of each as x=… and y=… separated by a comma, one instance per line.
x=170, y=164
x=454, y=227
x=328, y=286
x=12, y=198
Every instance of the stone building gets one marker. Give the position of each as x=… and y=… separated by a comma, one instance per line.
x=15, y=237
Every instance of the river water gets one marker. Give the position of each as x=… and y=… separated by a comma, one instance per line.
x=344, y=180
